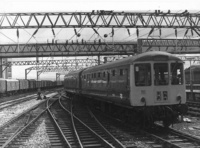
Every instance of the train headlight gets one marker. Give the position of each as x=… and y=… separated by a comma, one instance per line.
x=158, y=97
x=178, y=98
x=143, y=100
x=165, y=95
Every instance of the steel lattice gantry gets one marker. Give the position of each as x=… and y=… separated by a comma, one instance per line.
x=67, y=49
x=53, y=62
x=175, y=46
x=105, y=19
x=42, y=69
x=65, y=64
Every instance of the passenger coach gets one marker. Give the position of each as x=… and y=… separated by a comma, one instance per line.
x=154, y=80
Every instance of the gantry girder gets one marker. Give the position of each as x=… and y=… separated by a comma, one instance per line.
x=67, y=49
x=194, y=59
x=98, y=48
x=54, y=68
x=53, y=62
x=104, y=19
x=42, y=69
x=176, y=46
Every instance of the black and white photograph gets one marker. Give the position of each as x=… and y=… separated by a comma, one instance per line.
x=100, y=74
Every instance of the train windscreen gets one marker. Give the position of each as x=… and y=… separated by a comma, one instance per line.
x=161, y=74
x=176, y=73
x=143, y=74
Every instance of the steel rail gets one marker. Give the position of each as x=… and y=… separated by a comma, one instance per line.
x=97, y=135
x=119, y=144
x=58, y=127
x=26, y=126
x=74, y=127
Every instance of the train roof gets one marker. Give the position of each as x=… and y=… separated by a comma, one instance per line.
x=2, y=79
x=194, y=68
x=12, y=80
x=74, y=72
x=31, y=79
x=147, y=56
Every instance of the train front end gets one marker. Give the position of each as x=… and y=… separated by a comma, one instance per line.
x=158, y=84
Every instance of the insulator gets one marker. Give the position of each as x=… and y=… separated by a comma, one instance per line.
x=53, y=32
x=186, y=32
x=152, y=29
x=175, y=32
x=35, y=32
x=78, y=35
x=17, y=33
x=160, y=31
x=113, y=32
x=128, y=31
x=137, y=31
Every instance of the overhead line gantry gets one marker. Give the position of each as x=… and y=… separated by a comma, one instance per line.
x=100, y=19
x=53, y=62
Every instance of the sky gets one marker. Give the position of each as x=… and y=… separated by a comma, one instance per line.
x=74, y=5
x=14, y=6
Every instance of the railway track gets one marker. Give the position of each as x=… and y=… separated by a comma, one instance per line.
x=71, y=124
x=16, y=131
x=194, y=108
x=11, y=103
x=12, y=127
x=83, y=133
x=157, y=137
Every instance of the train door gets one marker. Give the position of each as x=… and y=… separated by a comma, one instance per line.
x=161, y=82
x=141, y=87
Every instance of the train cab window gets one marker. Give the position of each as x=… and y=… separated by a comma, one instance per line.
x=176, y=73
x=161, y=74
x=142, y=74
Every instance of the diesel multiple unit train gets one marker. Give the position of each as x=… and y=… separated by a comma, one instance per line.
x=11, y=86
x=147, y=87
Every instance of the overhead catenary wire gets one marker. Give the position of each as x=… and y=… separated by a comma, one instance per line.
x=154, y=30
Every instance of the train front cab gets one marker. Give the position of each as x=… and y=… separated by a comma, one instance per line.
x=158, y=85
x=72, y=83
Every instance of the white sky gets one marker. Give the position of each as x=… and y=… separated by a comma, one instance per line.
x=7, y=6
x=73, y=5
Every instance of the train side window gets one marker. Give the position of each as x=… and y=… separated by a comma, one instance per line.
x=161, y=74
x=121, y=72
x=99, y=74
x=108, y=77
x=113, y=72
x=176, y=73
x=104, y=74
x=143, y=74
